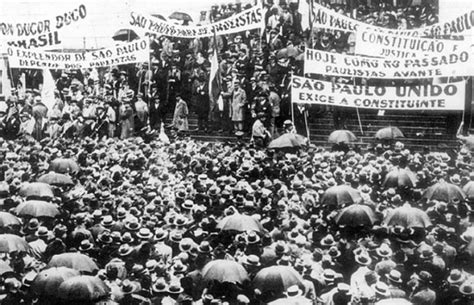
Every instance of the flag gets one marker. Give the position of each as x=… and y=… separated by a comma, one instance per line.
x=214, y=80
x=47, y=92
x=303, y=9
x=5, y=85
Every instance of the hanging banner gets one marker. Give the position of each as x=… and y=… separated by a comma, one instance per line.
x=329, y=19
x=246, y=20
x=328, y=63
x=28, y=28
x=132, y=52
x=385, y=45
x=423, y=97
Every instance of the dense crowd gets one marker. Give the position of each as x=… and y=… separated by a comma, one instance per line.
x=100, y=208
x=254, y=73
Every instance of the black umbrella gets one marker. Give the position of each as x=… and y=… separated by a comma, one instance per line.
x=181, y=16
x=125, y=35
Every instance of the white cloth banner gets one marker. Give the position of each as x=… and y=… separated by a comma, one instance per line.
x=327, y=63
x=423, y=97
x=132, y=52
x=246, y=20
x=326, y=18
x=386, y=45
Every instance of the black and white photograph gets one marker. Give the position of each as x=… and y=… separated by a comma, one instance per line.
x=236, y=152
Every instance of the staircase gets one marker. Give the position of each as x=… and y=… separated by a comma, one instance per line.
x=428, y=129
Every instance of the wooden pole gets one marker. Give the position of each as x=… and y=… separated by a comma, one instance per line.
x=467, y=113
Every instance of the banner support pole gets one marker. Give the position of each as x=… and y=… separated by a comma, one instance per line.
x=467, y=113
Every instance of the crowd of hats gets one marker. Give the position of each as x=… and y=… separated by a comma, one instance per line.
x=152, y=215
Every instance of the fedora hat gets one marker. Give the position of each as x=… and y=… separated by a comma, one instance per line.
x=178, y=267
x=33, y=224
x=467, y=288
x=329, y=275
x=160, y=286
x=187, y=244
x=127, y=238
x=160, y=234
x=42, y=232
x=129, y=287
x=384, y=251
x=328, y=241
x=125, y=250
x=187, y=204
x=204, y=247
x=455, y=277
x=85, y=245
x=176, y=237
x=293, y=291
x=252, y=238
x=252, y=260
x=281, y=248
x=145, y=234
x=427, y=253
x=381, y=288
x=425, y=277
x=105, y=238
x=175, y=288
x=334, y=252
x=107, y=221
x=395, y=276
x=121, y=213
x=132, y=225
x=363, y=259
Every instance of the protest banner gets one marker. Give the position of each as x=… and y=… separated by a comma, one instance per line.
x=27, y=28
x=246, y=20
x=132, y=52
x=328, y=63
x=329, y=19
x=422, y=97
x=386, y=45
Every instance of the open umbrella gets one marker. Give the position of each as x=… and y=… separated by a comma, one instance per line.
x=444, y=191
x=222, y=270
x=241, y=223
x=389, y=133
x=7, y=219
x=37, y=208
x=468, y=189
x=277, y=278
x=47, y=282
x=83, y=288
x=340, y=196
x=56, y=179
x=356, y=215
x=288, y=140
x=124, y=35
x=13, y=243
x=74, y=260
x=400, y=177
x=341, y=136
x=36, y=190
x=407, y=217
x=181, y=16
x=64, y=166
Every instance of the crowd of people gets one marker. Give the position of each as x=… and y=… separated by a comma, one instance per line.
x=167, y=223
x=254, y=74
x=98, y=208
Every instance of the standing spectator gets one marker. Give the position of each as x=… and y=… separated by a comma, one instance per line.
x=202, y=103
x=239, y=101
x=180, y=116
x=126, y=118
